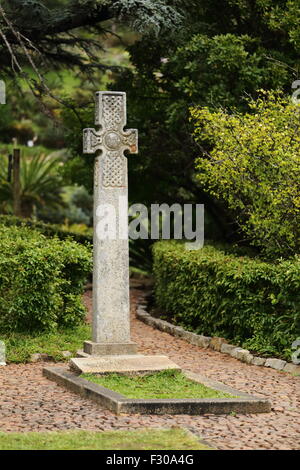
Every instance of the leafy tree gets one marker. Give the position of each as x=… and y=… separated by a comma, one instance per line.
x=254, y=166
x=191, y=52
x=226, y=51
x=64, y=32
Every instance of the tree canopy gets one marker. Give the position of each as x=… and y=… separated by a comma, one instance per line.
x=229, y=50
x=43, y=34
x=190, y=53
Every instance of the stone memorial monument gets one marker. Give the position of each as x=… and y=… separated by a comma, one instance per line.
x=111, y=326
x=111, y=306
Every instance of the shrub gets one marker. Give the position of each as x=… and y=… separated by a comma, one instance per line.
x=41, y=280
x=139, y=250
x=254, y=167
x=242, y=298
x=49, y=230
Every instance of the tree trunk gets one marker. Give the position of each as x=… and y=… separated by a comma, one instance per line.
x=16, y=183
x=26, y=209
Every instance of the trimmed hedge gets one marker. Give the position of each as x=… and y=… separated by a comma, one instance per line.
x=213, y=291
x=139, y=250
x=41, y=280
x=50, y=230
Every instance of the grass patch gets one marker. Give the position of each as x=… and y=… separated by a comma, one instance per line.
x=144, y=439
x=165, y=384
x=20, y=346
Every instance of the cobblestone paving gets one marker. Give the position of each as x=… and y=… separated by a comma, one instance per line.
x=30, y=402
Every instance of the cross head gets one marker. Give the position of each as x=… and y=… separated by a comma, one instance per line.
x=111, y=139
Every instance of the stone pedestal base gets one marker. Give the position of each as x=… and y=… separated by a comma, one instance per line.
x=109, y=349
x=123, y=364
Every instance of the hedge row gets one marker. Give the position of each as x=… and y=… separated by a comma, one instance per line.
x=139, y=250
x=41, y=280
x=214, y=292
x=50, y=230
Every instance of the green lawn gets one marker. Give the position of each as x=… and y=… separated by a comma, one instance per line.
x=20, y=346
x=145, y=439
x=165, y=384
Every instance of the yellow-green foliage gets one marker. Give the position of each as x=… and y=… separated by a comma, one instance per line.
x=218, y=292
x=254, y=166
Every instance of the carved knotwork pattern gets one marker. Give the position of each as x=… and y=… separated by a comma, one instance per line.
x=95, y=140
x=113, y=108
x=113, y=170
x=91, y=141
x=111, y=139
x=130, y=138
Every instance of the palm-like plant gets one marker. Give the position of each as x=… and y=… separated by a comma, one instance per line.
x=40, y=182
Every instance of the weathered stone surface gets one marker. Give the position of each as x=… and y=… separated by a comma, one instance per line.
x=243, y=403
x=292, y=368
x=274, y=363
x=198, y=340
x=216, y=343
x=38, y=357
x=227, y=348
x=241, y=354
x=66, y=353
x=164, y=326
x=203, y=341
x=128, y=364
x=141, y=310
x=111, y=258
x=179, y=331
x=258, y=361
x=248, y=358
x=109, y=349
x=193, y=339
x=35, y=357
x=234, y=352
x=187, y=335
x=150, y=321
x=81, y=353
x=190, y=337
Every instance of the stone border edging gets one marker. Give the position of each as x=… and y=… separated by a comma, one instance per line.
x=243, y=403
x=215, y=343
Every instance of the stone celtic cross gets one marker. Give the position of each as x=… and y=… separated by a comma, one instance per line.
x=111, y=324
x=111, y=139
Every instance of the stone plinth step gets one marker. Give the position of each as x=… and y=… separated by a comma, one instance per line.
x=108, y=349
x=126, y=364
x=242, y=403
